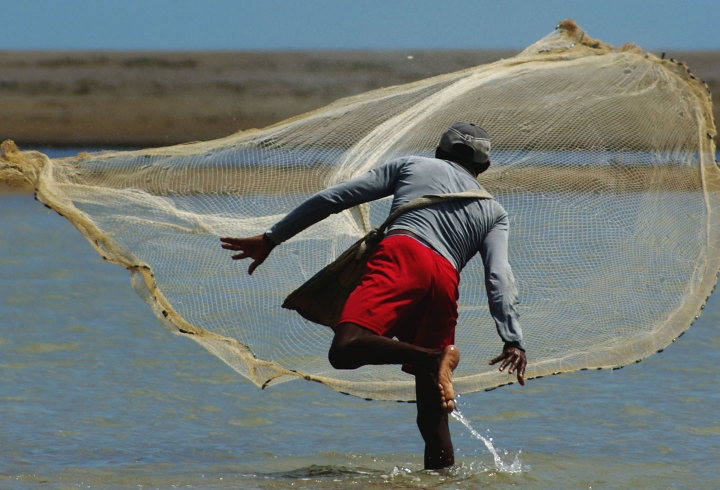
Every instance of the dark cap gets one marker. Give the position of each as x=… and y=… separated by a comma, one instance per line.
x=474, y=138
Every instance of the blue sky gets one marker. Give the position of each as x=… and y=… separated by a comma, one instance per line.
x=349, y=24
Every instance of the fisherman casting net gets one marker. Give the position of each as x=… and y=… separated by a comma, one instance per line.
x=603, y=158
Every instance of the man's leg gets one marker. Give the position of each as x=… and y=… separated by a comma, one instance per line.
x=354, y=346
x=432, y=421
x=411, y=291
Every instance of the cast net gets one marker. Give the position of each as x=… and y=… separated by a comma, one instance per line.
x=603, y=158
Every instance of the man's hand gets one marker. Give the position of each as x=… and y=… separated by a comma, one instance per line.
x=257, y=248
x=515, y=358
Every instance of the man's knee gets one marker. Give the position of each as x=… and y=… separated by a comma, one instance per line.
x=342, y=350
x=337, y=355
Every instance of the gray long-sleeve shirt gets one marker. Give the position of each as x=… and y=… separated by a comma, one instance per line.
x=456, y=229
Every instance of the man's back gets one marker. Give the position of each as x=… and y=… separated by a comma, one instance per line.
x=455, y=229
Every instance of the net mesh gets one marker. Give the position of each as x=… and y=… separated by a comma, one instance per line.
x=603, y=158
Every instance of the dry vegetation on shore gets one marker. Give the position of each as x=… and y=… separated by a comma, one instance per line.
x=139, y=99
x=142, y=99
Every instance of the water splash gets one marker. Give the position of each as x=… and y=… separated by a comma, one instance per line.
x=514, y=467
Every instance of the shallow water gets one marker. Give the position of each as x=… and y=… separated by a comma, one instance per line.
x=94, y=392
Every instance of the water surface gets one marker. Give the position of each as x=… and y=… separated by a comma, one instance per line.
x=94, y=392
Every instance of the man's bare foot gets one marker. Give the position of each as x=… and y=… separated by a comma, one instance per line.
x=449, y=360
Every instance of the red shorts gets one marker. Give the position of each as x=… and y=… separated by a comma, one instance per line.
x=409, y=291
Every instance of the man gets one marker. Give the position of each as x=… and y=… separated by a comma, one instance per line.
x=404, y=309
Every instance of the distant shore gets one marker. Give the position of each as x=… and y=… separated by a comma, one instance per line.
x=139, y=99
x=143, y=99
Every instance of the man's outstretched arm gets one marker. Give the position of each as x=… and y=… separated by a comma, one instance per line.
x=257, y=248
x=372, y=185
x=503, y=300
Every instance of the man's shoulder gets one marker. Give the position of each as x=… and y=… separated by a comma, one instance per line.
x=416, y=159
x=422, y=162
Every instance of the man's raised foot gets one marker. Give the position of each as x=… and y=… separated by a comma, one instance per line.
x=449, y=360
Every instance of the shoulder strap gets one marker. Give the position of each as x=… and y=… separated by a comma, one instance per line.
x=433, y=199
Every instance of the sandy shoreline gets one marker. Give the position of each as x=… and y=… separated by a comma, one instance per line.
x=143, y=99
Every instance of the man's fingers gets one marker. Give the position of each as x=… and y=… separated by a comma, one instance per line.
x=257, y=248
x=521, y=372
x=497, y=359
x=515, y=360
x=229, y=243
x=520, y=365
x=232, y=240
x=504, y=364
x=254, y=265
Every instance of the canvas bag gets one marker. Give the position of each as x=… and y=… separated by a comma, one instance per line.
x=322, y=298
